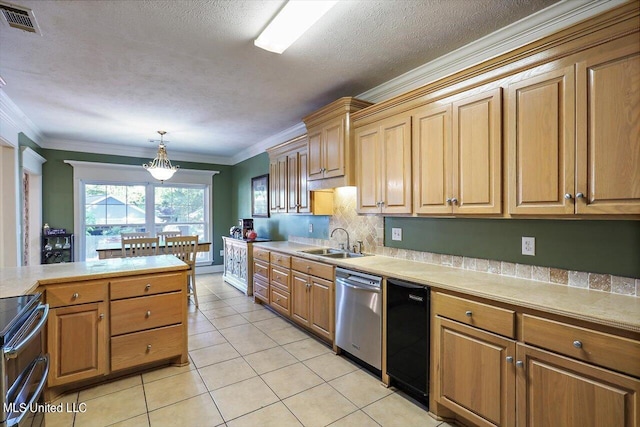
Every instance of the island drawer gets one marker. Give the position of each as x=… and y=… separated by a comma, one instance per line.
x=312, y=268
x=473, y=313
x=280, y=278
x=599, y=348
x=137, y=314
x=260, y=289
x=280, y=259
x=76, y=293
x=146, y=285
x=261, y=269
x=261, y=254
x=146, y=347
x=280, y=301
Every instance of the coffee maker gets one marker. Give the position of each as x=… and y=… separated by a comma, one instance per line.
x=245, y=225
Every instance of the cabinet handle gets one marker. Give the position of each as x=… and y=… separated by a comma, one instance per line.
x=454, y=201
x=148, y=314
x=448, y=200
x=568, y=196
x=147, y=287
x=148, y=347
x=75, y=296
x=509, y=359
x=101, y=316
x=577, y=344
x=468, y=313
x=579, y=196
x=520, y=364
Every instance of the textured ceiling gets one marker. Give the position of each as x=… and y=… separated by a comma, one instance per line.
x=116, y=71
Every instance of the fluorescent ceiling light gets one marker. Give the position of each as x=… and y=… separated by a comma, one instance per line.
x=296, y=17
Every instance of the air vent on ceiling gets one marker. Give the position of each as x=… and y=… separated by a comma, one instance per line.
x=19, y=17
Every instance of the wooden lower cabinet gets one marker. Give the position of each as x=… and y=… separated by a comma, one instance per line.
x=77, y=343
x=145, y=347
x=557, y=390
x=311, y=303
x=474, y=373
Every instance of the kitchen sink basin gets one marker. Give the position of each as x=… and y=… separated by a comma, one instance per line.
x=332, y=253
x=344, y=255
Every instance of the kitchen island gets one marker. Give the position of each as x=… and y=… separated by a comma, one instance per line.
x=107, y=318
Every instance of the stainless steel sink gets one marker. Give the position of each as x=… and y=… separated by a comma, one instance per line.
x=332, y=253
x=344, y=255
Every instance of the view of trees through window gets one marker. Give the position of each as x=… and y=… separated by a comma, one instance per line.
x=113, y=209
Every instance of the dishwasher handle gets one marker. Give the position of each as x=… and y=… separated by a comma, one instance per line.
x=357, y=286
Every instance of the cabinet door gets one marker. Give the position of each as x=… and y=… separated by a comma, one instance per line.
x=274, y=189
x=556, y=390
x=477, y=154
x=304, y=199
x=293, y=190
x=473, y=376
x=228, y=258
x=300, y=298
x=282, y=183
x=314, y=149
x=541, y=138
x=77, y=343
x=367, y=169
x=431, y=146
x=242, y=263
x=395, y=165
x=333, y=148
x=321, y=307
x=608, y=143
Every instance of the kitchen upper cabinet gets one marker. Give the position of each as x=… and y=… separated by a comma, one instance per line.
x=298, y=200
x=330, y=144
x=383, y=166
x=278, y=184
x=457, y=151
x=608, y=131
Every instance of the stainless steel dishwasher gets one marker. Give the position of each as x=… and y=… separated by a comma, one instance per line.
x=359, y=315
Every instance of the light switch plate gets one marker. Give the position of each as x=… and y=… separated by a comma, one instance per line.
x=221, y=252
x=310, y=228
x=529, y=246
x=396, y=234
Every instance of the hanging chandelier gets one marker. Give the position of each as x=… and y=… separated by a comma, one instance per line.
x=160, y=168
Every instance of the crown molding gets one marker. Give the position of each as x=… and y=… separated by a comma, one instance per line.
x=32, y=161
x=541, y=24
x=259, y=148
x=128, y=151
x=13, y=121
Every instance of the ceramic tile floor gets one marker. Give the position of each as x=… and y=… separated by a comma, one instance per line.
x=249, y=368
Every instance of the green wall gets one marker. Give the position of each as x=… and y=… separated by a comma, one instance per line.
x=57, y=189
x=596, y=246
x=279, y=226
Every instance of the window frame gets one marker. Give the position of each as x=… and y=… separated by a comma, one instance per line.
x=103, y=173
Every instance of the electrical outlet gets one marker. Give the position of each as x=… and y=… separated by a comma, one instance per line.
x=396, y=234
x=310, y=228
x=529, y=246
x=222, y=252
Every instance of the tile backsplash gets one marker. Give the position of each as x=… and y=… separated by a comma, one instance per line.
x=370, y=230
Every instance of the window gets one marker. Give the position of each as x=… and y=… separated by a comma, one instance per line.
x=105, y=206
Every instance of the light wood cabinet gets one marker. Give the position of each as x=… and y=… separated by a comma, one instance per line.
x=383, y=166
x=330, y=144
x=457, y=152
x=288, y=181
x=261, y=275
x=238, y=264
x=77, y=342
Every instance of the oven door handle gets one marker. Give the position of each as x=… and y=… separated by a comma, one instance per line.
x=36, y=394
x=11, y=352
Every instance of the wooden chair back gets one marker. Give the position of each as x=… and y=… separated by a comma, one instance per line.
x=162, y=235
x=184, y=247
x=144, y=246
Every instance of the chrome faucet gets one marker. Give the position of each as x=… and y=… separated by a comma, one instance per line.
x=345, y=232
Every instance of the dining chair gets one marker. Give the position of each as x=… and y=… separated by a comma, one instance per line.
x=135, y=235
x=144, y=246
x=164, y=234
x=185, y=248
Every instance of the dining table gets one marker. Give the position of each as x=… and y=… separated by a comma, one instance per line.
x=114, y=250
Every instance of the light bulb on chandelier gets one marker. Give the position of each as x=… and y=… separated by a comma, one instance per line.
x=160, y=168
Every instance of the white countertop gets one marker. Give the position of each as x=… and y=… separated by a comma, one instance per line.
x=620, y=311
x=16, y=281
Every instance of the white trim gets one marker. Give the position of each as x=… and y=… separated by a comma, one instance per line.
x=13, y=121
x=95, y=171
x=32, y=161
x=208, y=269
x=260, y=147
x=118, y=150
x=533, y=27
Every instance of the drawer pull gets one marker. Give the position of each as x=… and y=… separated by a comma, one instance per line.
x=509, y=359
x=148, y=314
x=148, y=347
x=577, y=344
x=75, y=296
x=101, y=316
x=468, y=313
x=147, y=287
x=520, y=364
